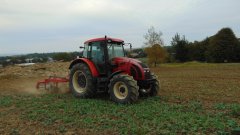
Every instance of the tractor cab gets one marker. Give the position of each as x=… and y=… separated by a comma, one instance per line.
x=101, y=51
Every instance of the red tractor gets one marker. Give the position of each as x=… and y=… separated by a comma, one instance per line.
x=105, y=67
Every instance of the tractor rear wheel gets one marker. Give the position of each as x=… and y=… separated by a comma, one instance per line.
x=152, y=89
x=81, y=81
x=123, y=89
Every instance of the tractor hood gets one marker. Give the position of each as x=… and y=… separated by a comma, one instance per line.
x=125, y=60
x=130, y=66
x=128, y=62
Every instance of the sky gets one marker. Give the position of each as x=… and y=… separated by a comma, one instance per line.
x=36, y=26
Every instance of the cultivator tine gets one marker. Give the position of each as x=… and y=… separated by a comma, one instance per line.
x=41, y=85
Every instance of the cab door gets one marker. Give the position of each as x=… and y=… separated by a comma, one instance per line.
x=97, y=56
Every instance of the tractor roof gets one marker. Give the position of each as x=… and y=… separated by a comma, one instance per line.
x=102, y=39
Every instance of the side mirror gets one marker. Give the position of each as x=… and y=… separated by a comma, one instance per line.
x=129, y=45
x=81, y=47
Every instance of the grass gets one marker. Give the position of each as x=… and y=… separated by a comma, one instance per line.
x=5, y=101
x=148, y=116
x=232, y=109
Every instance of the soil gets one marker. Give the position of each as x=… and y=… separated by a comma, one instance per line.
x=207, y=84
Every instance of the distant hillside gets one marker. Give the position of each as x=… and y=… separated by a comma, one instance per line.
x=38, y=57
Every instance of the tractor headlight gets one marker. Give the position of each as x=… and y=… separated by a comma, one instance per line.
x=147, y=74
x=146, y=70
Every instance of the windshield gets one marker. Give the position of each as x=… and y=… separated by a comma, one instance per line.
x=115, y=50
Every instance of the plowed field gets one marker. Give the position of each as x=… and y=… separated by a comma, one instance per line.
x=195, y=98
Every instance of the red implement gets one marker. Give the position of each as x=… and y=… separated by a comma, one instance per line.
x=52, y=81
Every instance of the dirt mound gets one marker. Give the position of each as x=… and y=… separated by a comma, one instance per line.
x=23, y=79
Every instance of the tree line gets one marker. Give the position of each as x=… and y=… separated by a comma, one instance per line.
x=221, y=47
x=224, y=46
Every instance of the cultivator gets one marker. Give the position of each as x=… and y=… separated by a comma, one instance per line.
x=51, y=83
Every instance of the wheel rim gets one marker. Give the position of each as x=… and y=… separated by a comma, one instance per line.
x=120, y=90
x=79, y=81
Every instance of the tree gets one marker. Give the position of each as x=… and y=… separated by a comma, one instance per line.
x=62, y=56
x=175, y=39
x=154, y=50
x=223, y=47
x=170, y=54
x=152, y=37
x=156, y=54
x=197, y=50
x=180, y=46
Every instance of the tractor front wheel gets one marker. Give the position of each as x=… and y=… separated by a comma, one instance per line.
x=81, y=81
x=152, y=89
x=123, y=89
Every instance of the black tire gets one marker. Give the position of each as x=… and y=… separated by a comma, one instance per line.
x=152, y=90
x=81, y=82
x=123, y=89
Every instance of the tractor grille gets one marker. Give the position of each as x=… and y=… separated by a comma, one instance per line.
x=147, y=74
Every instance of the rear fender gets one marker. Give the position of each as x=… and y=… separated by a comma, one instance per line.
x=90, y=64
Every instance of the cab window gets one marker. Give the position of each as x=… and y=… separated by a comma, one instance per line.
x=86, y=51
